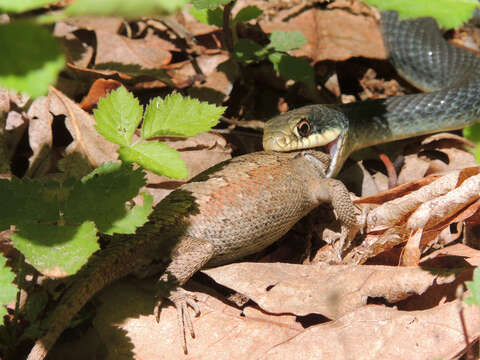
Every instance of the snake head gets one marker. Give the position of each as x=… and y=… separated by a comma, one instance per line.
x=309, y=127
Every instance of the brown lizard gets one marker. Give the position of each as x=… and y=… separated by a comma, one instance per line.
x=233, y=209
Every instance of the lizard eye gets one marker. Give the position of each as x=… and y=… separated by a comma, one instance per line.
x=304, y=128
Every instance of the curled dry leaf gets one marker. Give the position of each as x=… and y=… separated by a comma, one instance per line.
x=40, y=137
x=392, y=212
x=443, y=207
x=81, y=125
x=423, y=214
x=100, y=88
x=331, y=291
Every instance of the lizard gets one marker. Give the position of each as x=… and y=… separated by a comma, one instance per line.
x=231, y=210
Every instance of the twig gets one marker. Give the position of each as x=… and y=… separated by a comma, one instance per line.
x=227, y=31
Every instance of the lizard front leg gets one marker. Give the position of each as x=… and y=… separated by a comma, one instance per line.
x=188, y=256
x=345, y=211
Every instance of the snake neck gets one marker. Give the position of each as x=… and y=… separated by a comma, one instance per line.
x=378, y=121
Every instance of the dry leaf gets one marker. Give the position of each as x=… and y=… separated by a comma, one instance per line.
x=40, y=137
x=327, y=36
x=377, y=332
x=113, y=50
x=86, y=139
x=126, y=329
x=331, y=291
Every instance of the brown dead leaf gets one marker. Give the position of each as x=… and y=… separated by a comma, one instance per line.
x=413, y=168
x=424, y=214
x=394, y=211
x=377, y=332
x=471, y=255
x=100, y=88
x=115, y=50
x=40, y=137
x=437, y=210
x=374, y=88
x=77, y=50
x=331, y=291
x=86, y=139
x=329, y=38
x=94, y=23
x=126, y=328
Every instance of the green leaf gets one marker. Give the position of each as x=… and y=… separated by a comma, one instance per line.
x=248, y=13
x=179, y=116
x=157, y=157
x=28, y=201
x=56, y=250
x=286, y=40
x=23, y=5
x=134, y=218
x=448, y=13
x=117, y=116
x=472, y=133
x=128, y=9
x=474, y=287
x=209, y=4
x=293, y=68
x=31, y=58
x=9, y=290
x=101, y=196
x=247, y=51
x=208, y=16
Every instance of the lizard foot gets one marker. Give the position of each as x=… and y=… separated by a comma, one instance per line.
x=181, y=299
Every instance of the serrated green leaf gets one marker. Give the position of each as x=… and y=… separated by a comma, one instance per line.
x=179, y=116
x=135, y=217
x=293, y=68
x=56, y=250
x=23, y=5
x=209, y=4
x=8, y=289
x=286, y=40
x=474, y=287
x=117, y=116
x=208, y=16
x=101, y=196
x=27, y=201
x=448, y=13
x=247, y=51
x=31, y=58
x=248, y=13
x=157, y=157
x=128, y=9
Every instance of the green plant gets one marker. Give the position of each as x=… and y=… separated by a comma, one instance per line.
x=34, y=56
x=57, y=224
x=218, y=13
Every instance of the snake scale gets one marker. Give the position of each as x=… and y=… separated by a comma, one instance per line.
x=449, y=75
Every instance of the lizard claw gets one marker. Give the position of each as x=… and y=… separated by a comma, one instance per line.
x=181, y=299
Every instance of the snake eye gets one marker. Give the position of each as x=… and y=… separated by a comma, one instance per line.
x=304, y=128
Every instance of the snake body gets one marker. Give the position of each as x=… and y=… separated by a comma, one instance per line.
x=420, y=54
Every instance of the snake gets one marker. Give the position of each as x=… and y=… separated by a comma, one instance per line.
x=448, y=75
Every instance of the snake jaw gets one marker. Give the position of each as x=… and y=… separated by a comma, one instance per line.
x=334, y=148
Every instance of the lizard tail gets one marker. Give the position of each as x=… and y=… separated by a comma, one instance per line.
x=96, y=274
